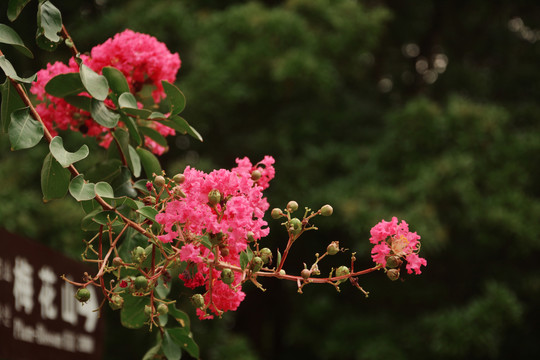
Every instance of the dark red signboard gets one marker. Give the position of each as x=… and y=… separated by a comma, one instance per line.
x=39, y=315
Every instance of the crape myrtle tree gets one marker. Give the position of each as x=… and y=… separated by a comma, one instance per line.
x=144, y=226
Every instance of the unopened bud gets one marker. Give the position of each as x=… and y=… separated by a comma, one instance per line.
x=214, y=197
x=305, y=274
x=159, y=180
x=393, y=274
x=178, y=192
x=333, y=248
x=282, y=272
x=292, y=206
x=179, y=178
x=276, y=213
x=342, y=270
x=147, y=310
x=326, y=210
x=117, y=302
x=162, y=309
x=256, y=264
x=69, y=43
x=141, y=282
x=227, y=276
x=266, y=255
x=117, y=261
x=138, y=255
x=393, y=261
x=83, y=295
x=250, y=236
x=224, y=250
x=198, y=301
x=256, y=175
x=295, y=226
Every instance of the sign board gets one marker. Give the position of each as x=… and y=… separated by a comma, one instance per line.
x=39, y=315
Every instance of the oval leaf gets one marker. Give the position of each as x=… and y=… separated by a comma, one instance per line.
x=182, y=338
x=24, y=132
x=15, y=7
x=116, y=79
x=103, y=115
x=133, y=129
x=149, y=163
x=175, y=97
x=65, y=84
x=49, y=21
x=64, y=157
x=171, y=349
x=148, y=212
x=135, y=163
x=127, y=100
x=154, y=135
x=10, y=102
x=81, y=102
x=81, y=190
x=54, y=179
x=95, y=84
x=9, y=36
x=9, y=70
x=132, y=315
x=180, y=124
x=104, y=190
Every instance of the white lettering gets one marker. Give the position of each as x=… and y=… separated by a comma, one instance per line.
x=85, y=344
x=22, y=332
x=5, y=315
x=69, y=306
x=47, y=293
x=23, y=287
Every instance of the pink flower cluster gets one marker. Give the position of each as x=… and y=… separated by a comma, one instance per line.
x=391, y=238
x=140, y=57
x=238, y=215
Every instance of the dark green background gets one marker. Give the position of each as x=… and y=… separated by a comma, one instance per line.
x=329, y=89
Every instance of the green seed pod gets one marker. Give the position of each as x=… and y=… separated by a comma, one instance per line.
x=266, y=255
x=147, y=310
x=117, y=302
x=214, y=197
x=295, y=226
x=305, y=274
x=342, y=270
x=179, y=178
x=227, y=276
x=282, y=272
x=159, y=181
x=326, y=210
x=256, y=264
x=198, y=301
x=117, y=261
x=393, y=274
x=163, y=309
x=138, y=255
x=333, y=248
x=292, y=206
x=82, y=295
x=256, y=175
x=276, y=213
x=141, y=282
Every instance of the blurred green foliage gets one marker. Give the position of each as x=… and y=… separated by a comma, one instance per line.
x=424, y=110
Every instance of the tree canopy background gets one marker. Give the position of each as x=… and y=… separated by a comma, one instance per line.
x=424, y=110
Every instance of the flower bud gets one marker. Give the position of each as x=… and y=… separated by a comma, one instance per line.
x=159, y=180
x=276, y=213
x=198, y=301
x=178, y=192
x=305, y=274
x=117, y=261
x=292, y=206
x=250, y=236
x=266, y=255
x=214, y=197
x=256, y=175
x=333, y=248
x=82, y=295
x=326, y=210
x=295, y=226
x=69, y=43
x=117, y=302
x=256, y=264
x=141, y=282
x=138, y=255
x=393, y=261
x=179, y=178
x=147, y=310
x=282, y=272
x=227, y=276
x=224, y=250
x=342, y=270
x=163, y=309
x=393, y=274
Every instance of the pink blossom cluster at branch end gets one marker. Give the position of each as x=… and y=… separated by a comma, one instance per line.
x=393, y=238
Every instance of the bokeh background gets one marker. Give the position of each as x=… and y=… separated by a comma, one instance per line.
x=426, y=110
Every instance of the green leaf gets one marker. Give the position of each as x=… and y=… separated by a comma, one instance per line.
x=122, y=185
x=116, y=79
x=81, y=102
x=96, y=85
x=121, y=138
x=149, y=162
x=88, y=223
x=81, y=190
x=154, y=135
x=135, y=164
x=154, y=350
x=278, y=258
x=9, y=70
x=126, y=201
x=65, y=84
x=243, y=260
x=148, y=212
x=54, y=179
x=64, y=157
x=105, y=217
x=9, y=36
x=180, y=316
x=183, y=338
x=89, y=205
x=102, y=115
x=141, y=186
x=104, y=190
x=133, y=129
x=15, y=7
x=106, y=170
x=175, y=97
x=157, y=115
x=132, y=315
x=182, y=125
x=10, y=102
x=127, y=100
x=171, y=349
x=24, y=132
x=49, y=21
x=162, y=290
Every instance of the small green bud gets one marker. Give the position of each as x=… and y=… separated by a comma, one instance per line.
x=256, y=175
x=163, y=309
x=227, y=276
x=393, y=262
x=292, y=206
x=179, y=178
x=117, y=302
x=198, y=301
x=138, y=255
x=276, y=213
x=82, y=295
x=159, y=180
x=117, y=261
x=250, y=236
x=147, y=310
x=342, y=270
x=256, y=264
x=305, y=274
x=326, y=210
x=141, y=282
x=295, y=226
x=333, y=248
x=266, y=255
x=214, y=197
x=69, y=43
x=282, y=272
x=178, y=192
x=393, y=274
